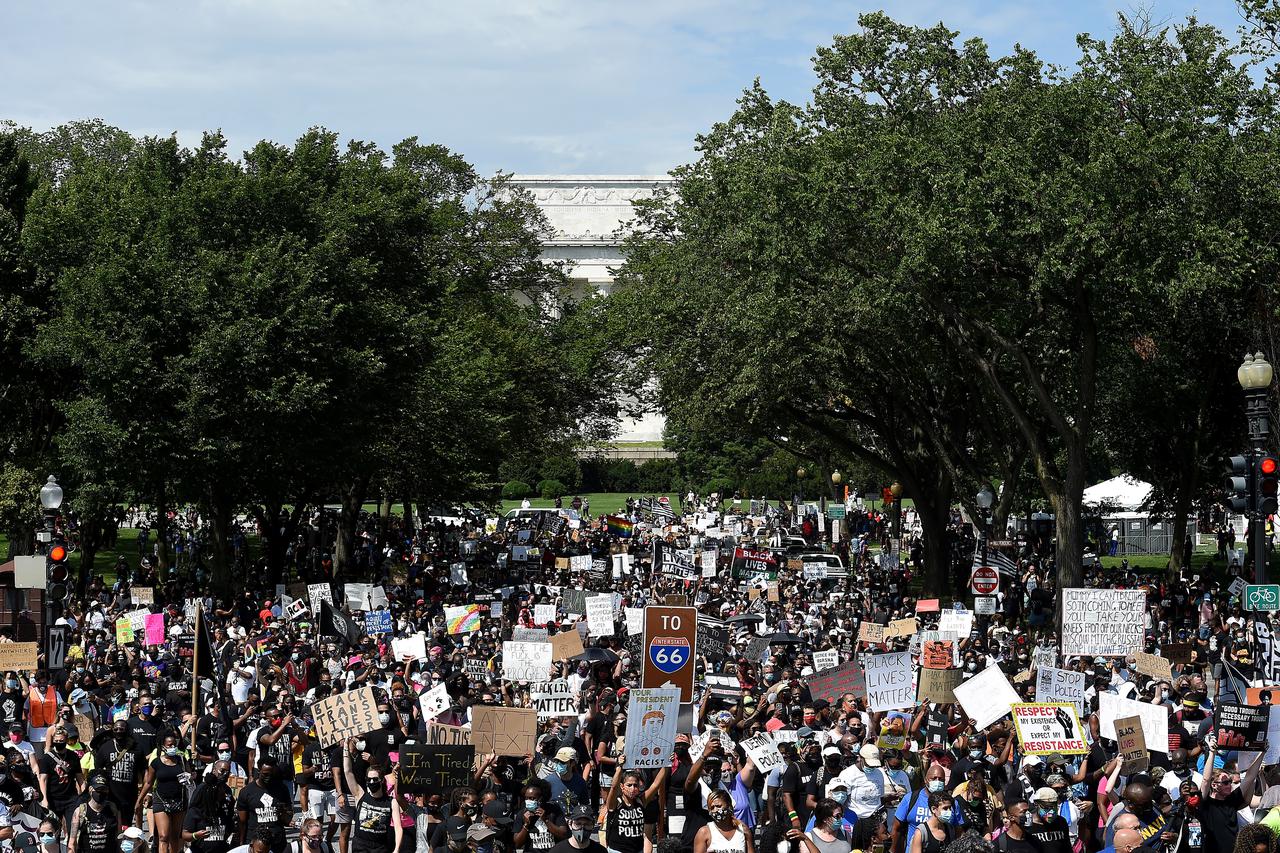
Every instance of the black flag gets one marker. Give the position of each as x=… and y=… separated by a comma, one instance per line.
x=204, y=650
x=334, y=623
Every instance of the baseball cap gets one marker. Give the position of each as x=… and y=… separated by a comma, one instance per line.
x=582, y=813
x=497, y=811
x=870, y=755
x=456, y=827
x=480, y=831
x=830, y=750
x=1031, y=761
x=1045, y=795
x=566, y=753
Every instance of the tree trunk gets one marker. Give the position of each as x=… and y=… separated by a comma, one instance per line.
x=344, y=545
x=1070, y=531
x=273, y=539
x=1188, y=485
x=934, y=516
x=384, y=521
x=220, y=525
x=409, y=525
x=90, y=540
x=162, y=537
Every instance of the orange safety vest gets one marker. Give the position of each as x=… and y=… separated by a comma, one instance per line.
x=44, y=711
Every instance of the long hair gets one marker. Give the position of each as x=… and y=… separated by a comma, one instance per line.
x=1253, y=835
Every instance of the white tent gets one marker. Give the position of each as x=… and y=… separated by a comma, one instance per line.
x=1118, y=493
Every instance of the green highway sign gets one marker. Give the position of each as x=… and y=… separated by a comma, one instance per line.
x=1262, y=596
x=835, y=511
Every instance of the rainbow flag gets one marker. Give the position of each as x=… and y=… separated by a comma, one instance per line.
x=619, y=526
x=462, y=620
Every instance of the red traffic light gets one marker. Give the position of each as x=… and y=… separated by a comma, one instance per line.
x=58, y=553
x=1267, y=465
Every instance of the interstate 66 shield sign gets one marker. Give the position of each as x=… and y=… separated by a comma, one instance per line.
x=670, y=638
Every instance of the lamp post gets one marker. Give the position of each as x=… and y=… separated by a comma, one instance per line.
x=1254, y=375
x=835, y=499
x=985, y=498
x=50, y=502
x=896, y=491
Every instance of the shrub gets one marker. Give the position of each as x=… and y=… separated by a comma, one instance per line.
x=622, y=476
x=723, y=485
x=516, y=491
x=658, y=476
x=552, y=489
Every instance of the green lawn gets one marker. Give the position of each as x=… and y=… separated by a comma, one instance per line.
x=610, y=503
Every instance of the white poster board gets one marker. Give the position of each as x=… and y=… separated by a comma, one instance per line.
x=1060, y=685
x=1155, y=719
x=763, y=751
x=652, y=714
x=635, y=620
x=318, y=592
x=434, y=702
x=554, y=699
x=526, y=661
x=1103, y=621
x=826, y=659
x=580, y=564
x=987, y=696
x=544, y=613
x=409, y=648
x=600, y=615
x=890, y=682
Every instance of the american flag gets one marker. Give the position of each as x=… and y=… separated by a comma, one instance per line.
x=998, y=561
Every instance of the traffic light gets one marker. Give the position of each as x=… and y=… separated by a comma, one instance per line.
x=1268, y=474
x=56, y=572
x=1239, y=483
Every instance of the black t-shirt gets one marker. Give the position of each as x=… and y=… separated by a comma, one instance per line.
x=219, y=818
x=11, y=702
x=99, y=829
x=281, y=749
x=1053, y=835
x=210, y=730
x=371, y=830
x=144, y=733
x=61, y=773
x=122, y=765
x=1007, y=844
x=624, y=828
x=169, y=778
x=270, y=807
x=318, y=757
x=540, y=837
x=1218, y=817
x=566, y=846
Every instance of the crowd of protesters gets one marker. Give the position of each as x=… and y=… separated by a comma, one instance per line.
x=125, y=748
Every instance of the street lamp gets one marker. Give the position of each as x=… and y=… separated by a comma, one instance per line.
x=896, y=491
x=51, y=495
x=1254, y=375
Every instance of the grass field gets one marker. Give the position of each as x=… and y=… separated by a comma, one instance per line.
x=609, y=503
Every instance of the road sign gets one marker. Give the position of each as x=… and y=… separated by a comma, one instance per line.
x=835, y=510
x=56, y=654
x=670, y=640
x=1262, y=596
x=984, y=580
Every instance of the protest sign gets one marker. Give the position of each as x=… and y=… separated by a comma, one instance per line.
x=345, y=715
x=378, y=622
x=1133, y=745
x=763, y=751
x=1153, y=665
x=870, y=633
x=955, y=624
x=553, y=699
x=986, y=697
x=1060, y=685
x=580, y=564
x=462, y=620
x=378, y=597
x=356, y=596
x=409, y=648
x=565, y=645
x=1045, y=729
x=1241, y=727
x=700, y=742
x=901, y=628
x=1155, y=719
x=574, y=601
x=927, y=605
x=544, y=613
x=756, y=649
x=937, y=654
x=726, y=687
x=825, y=659
x=1044, y=656
x=1176, y=652
x=525, y=662
x=600, y=615
x=438, y=734
x=833, y=684
x=889, y=682
x=1102, y=622
x=124, y=631
x=713, y=640
x=477, y=669
x=504, y=731
x=938, y=685
x=1262, y=695
x=154, y=627
x=429, y=769
x=652, y=713
x=521, y=634
x=84, y=728
x=297, y=610
x=318, y=592
x=434, y=702
x=143, y=594
x=138, y=620
x=20, y=657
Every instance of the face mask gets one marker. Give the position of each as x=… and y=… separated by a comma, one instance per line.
x=360, y=745
x=374, y=785
x=934, y=785
x=1046, y=811
x=975, y=754
x=126, y=846
x=580, y=835
x=144, y=710
x=98, y=795
x=224, y=756
x=945, y=815
x=12, y=684
x=971, y=666
x=15, y=738
x=1193, y=800
x=171, y=751
x=47, y=839
x=469, y=811
x=118, y=735
x=531, y=805
x=719, y=814
x=840, y=797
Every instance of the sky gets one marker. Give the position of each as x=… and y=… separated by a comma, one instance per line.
x=524, y=86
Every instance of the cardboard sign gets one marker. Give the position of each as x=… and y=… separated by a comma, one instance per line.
x=889, y=680
x=1060, y=685
x=19, y=657
x=1133, y=745
x=901, y=628
x=124, y=631
x=318, y=592
x=526, y=662
x=553, y=699
x=670, y=645
x=565, y=645
x=826, y=659
x=143, y=594
x=84, y=728
x=1102, y=622
x=573, y=600
x=833, y=684
x=1176, y=652
x=652, y=714
x=1153, y=665
x=938, y=685
x=345, y=715
x=1044, y=729
x=1241, y=727
x=504, y=731
x=987, y=696
x=600, y=615
x=438, y=734
x=937, y=654
x=762, y=750
x=871, y=633
x=427, y=769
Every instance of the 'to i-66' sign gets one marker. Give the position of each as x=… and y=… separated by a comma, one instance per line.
x=670, y=641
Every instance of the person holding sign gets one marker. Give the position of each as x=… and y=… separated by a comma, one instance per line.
x=725, y=833
x=375, y=826
x=624, y=809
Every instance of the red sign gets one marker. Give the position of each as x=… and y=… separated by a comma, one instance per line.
x=670, y=643
x=984, y=581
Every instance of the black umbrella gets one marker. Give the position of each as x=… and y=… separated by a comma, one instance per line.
x=746, y=618
x=595, y=654
x=785, y=640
